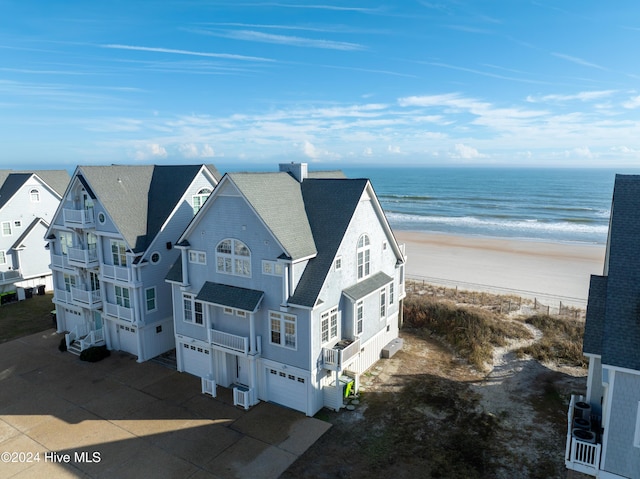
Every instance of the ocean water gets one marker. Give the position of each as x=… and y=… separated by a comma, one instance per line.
x=557, y=205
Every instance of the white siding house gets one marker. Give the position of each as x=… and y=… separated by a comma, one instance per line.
x=603, y=432
x=111, y=247
x=28, y=201
x=289, y=286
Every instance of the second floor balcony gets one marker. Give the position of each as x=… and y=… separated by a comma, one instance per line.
x=119, y=311
x=337, y=357
x=122, y=274
x=91, y=299
x=79, y=218
x=84, y=258
x=235, y=343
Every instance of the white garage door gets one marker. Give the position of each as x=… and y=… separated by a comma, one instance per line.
x=287, y=389
x=127, y=339
x=196, y=360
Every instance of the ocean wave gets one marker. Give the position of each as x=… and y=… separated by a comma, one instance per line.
x=497, y=225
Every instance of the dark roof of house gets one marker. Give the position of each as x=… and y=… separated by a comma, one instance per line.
x=368, y=286
x=11, y=181
x=27, y=232
x=621, y=325
x=594, y=324
x=230, y=296
x=175, y=273
x=330, y=205
x=140, y=198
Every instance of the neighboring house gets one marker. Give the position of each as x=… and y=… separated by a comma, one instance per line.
x=111, y=248
x=289, y=287
x=28, y=201
x=603, y=437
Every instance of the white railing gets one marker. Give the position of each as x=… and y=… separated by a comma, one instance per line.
x=78, y=217
x=86, y=298
x=119, y=273
x=94, y=337
x=83, y=256
x=76, y=333
x=229, y=341
x=117, y=311
x=209, y=387
x=243, y=397
x=9, y=276
x=336, y=358
x=60, y=261
x=62, y=296
x=581, y=456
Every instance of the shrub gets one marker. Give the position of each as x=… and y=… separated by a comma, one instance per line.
x=62, y=347
x=561, y=341
x=95, y=354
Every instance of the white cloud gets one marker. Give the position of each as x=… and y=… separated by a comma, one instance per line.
x=580, y=96
x=465, y=152
x=395, y=149
x=150, y=151
x=632, y=103
x=368, y=151
x=190, y=150
x=581, y=152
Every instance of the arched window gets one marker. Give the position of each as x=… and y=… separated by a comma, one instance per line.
x=364, y=257
x=34, y=195
x=199, y=199
x=233, y=257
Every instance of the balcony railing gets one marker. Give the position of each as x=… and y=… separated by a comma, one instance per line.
x=94, y=338
x=229, y=341
x=60, y=261
x=118, y=273
x=85, y=298
x=9, y=276
x=62, y=296
x=335, y=358
x=85, y=258
x=119, y=312
x=79, y=218
x=583, y=451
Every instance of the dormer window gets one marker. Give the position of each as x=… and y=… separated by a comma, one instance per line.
x=34, y=196
x=199, y=199
x=364, y=257
x=233, y=257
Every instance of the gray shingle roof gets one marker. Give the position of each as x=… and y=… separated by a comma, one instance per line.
x=27, y=232
x=621, y=329
x=230, y=296
x=277, y=199
x=594, y=324
x=330, y=206
x=139, y=198
x=368, y=286
x=11, y=181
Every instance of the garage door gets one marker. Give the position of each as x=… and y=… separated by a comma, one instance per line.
x=196, y=360
x=127, y=339
x=287, y=389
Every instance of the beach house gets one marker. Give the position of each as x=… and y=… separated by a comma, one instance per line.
x=28, y=201
x=603, y=436
x=289, y=286
x=111, y=245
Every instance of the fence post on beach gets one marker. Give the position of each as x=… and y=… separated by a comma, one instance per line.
x=535, y=303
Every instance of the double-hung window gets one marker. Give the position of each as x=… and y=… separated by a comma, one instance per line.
x=383, y=303
x=198, y=257
x=283, y=329
x=329, y=324
x=359, y=317
x=364, y=257
x=3, y=257
x=122, y=297
x=193, y=310
x=150, y=299
x=6, y=228
x=34, y=195
x=119, y=253
x=233, y=257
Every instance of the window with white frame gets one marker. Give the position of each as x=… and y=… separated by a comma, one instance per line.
x=122, y=297
x=364, y=257
x=282, y=329
x=197, y=257
x=193, y=310
x=329, y=324
x=200, y=198
x=383, y=303
x=69, y=282
x=359, y=317
x=66, y=242
x=6, y=228
x=34, y=196
x=150, y=299
x=636, y=437
x=272, y=268
x=3, y=257
x=391, y=293
x=233, y=257
x=118, y=253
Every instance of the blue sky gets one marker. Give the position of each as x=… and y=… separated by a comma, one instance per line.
x=425, y=82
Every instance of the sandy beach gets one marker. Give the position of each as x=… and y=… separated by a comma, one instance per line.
x=551, y=272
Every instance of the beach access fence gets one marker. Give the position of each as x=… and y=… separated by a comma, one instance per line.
x=503, y=300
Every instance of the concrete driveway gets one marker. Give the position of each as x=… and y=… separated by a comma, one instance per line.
x=62, y=417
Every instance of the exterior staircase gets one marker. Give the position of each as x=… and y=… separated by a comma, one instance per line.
x=74, y=348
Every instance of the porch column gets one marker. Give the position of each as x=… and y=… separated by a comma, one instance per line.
x=253, y=379
x=252, y=334
x=338, y=390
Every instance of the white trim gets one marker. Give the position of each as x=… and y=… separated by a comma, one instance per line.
x=155, y=300
x=622, y=370
x=282, y=332
x=2, y=225
x=606, y=410
x=636, y=437
x=199, y=257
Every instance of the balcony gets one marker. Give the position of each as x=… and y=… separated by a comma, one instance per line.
x=337, y=357
x=60, y=261
x=84, y=258
x=117, y=273
x=232, y=342
x=7, y=277
x=61, y=296
x=79, y=218
x=86, y=298
x=584, y=446
x=118, y=312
